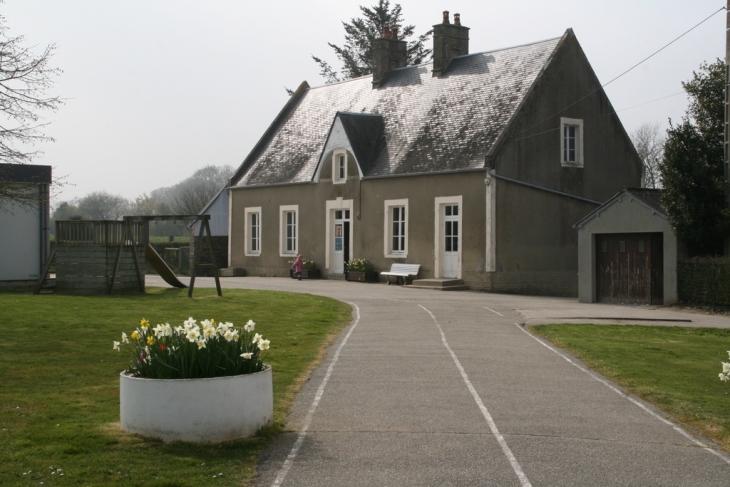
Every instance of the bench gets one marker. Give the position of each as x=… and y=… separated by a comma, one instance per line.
x=401, y=271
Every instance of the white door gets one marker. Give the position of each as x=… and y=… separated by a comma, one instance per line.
x=341, y=241
x=450, y=244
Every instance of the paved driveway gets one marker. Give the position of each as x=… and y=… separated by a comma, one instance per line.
x=436, y=388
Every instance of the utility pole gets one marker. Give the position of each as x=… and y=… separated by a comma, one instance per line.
x=727, y=112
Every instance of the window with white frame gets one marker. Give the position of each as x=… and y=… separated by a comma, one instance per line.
x=289, y=225
x=571, y=142
x=396, y=228
x=339, y=167
x=253, y=231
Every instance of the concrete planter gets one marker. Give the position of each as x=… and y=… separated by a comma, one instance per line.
x=361, y=276
x=197, y=410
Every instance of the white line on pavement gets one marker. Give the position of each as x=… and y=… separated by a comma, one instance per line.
x=308, y=420
x=485, y=412
x=495, y=312
x=605, y=383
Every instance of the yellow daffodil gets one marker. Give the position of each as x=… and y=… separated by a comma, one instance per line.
x=144, y=323
x=134, y=335
x=150, y=340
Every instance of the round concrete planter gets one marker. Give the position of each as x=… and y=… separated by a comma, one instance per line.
x=197, y=410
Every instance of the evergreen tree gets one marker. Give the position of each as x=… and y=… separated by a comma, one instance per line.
x=692, y=171
x=356, y=55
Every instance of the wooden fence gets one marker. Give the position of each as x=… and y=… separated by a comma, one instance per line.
x=85, y=233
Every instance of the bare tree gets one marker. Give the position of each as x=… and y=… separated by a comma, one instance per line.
x=24, y=79
x=190, y=196
x=649, y=142
x=101, y=205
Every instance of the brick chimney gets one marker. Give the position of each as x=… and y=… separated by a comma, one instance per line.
x=449, y=41
x=388, y=53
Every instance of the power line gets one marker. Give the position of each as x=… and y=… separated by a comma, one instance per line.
x=617, y=77
x=652, y=101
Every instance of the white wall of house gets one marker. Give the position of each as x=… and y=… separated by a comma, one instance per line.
x=20, y=252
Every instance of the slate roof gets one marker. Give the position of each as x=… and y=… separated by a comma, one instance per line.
x=429, y=124
x=652, y=197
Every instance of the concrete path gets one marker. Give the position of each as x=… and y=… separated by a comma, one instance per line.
x=448, y=388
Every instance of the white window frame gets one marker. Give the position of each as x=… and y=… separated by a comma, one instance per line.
x=388, y=251
x=337, y=155
x=578, y=124
x=248, y=250
x=283, y=210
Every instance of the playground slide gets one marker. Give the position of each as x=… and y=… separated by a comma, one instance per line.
x=161, y=267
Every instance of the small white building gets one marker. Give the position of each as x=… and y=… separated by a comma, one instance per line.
x=627, y=251
x=24, y=225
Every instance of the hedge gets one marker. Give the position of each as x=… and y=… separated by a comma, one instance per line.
x=704, y=281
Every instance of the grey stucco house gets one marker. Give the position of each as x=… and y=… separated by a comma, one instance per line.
x=474, y=166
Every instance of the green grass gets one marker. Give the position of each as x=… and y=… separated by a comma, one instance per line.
x=674, y=368
x=59, y=384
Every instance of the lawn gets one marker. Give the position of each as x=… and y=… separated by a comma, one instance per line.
x=674, y=368
x=59, y=384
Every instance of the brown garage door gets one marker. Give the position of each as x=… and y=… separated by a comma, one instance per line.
x=629, y=268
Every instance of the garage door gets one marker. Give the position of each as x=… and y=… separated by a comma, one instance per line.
x=629, y=268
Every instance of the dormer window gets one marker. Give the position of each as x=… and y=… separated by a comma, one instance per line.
x=339, y=167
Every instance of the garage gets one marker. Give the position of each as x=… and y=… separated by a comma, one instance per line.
x=627, y=251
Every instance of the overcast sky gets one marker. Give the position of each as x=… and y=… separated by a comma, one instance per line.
x=156, y=89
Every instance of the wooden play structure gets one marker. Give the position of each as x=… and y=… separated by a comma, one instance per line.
x=100, y=256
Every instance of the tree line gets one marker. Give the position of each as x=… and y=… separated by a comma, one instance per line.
x=188, y=197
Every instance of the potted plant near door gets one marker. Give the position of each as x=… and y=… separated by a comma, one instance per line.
x=310, y=270
x=196, y=382
x=360, y=270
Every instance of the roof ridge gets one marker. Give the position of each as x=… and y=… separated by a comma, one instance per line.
x=429, y=63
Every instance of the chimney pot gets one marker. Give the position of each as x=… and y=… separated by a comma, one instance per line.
x=457, y=19
x=446, y=17
x=394, y=32
x=386, y=32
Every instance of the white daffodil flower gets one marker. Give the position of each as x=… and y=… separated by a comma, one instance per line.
x=725, y=367
x=209, y=332
x=247, y=355
x=180, y=330
x=201, y=344
x=256, y=338
x=168, y=330
x=264, y=344
x=724, y=377
x=228, y=335
x=116, y=346
x=190, y=322
x=193, y=335
x=206, y=324
x=124, y=338
x=249, y=326
x=159, y=330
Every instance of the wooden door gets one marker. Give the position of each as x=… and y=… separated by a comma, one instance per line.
x=629, y=268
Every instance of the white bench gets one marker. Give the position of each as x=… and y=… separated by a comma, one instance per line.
x=401, y=271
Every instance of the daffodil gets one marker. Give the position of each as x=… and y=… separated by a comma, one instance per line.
x=193, y=335
x=725, y=367
x=190, y=322
x=144, y=323
x=135, y=335
x=201, y=344
x=150, y=340
x=247, y=355
x=209, y=332
x=124, y=338
x=264, y=344
x=256, y=338
x=116, y=346
x=249, y=326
